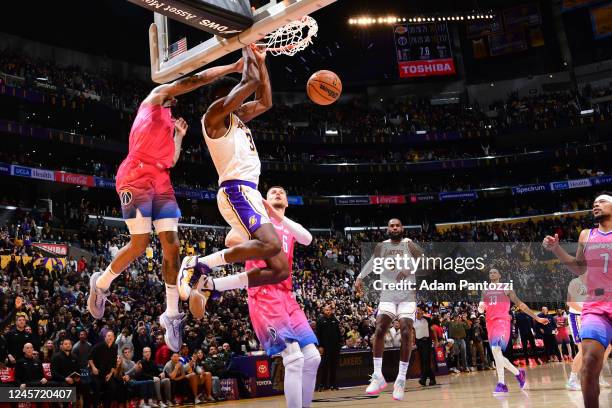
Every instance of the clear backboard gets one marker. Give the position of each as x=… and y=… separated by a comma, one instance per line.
x=266, y=19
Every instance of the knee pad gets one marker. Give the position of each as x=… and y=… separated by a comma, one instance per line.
x=292, y=355
x=312, y=357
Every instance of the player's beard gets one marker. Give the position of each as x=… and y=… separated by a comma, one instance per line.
x=395, y=236
x=602, y=217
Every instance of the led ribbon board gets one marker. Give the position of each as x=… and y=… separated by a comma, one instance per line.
x=225, y=18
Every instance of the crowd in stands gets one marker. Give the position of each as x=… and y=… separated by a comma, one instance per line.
x=52, y=300
x=403, y=115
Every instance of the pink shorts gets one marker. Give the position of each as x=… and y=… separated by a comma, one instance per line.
x=499, y=332
x=278, y=319
x=147, y=189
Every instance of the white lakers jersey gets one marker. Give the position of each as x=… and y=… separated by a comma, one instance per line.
x=234, y=155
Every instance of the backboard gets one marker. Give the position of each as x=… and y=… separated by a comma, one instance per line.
x=266, y=19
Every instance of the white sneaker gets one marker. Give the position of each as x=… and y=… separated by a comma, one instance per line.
x=184, y=276
x=162, y=404
x=398, y=390
x=573, y=385
x=377, y=384
x=173, y=328
x=603, y=383
x=197, y=401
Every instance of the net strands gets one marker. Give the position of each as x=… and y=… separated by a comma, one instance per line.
x=291, y=38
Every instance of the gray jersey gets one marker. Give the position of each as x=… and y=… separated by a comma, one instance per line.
x=390, y=275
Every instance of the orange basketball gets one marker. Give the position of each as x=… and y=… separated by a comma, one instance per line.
x=324, y=87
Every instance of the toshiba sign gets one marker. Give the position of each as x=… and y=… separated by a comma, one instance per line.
x=410, y=69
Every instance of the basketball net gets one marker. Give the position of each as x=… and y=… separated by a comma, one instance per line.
x=291, y=38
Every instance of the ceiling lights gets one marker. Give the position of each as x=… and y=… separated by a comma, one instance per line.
x=385, y=20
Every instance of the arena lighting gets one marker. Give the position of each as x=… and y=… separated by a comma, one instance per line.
x=388, y=20
x=587, y=112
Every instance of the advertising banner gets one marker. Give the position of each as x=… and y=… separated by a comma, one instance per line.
x=423, y=50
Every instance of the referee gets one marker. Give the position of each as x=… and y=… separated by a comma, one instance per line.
x=423, y=343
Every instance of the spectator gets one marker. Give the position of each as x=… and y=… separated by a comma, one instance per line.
x=141, y=340
x=102, y=363
x=547, y=332
x=457, y=330
x=146, y=370
x=17, y=338
x=477, y=344
x=66, y=369
x=121, y=381
x=124, y=339
x=29, y=371
x=424, y=347
x=328, y=333
x=183, y=380
x=251, y=341
x=396, y=337
x=82, y=349
x=163, y=353
x=205, y=377
x=524, y=326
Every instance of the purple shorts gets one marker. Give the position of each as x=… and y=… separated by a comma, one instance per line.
x=241, y=205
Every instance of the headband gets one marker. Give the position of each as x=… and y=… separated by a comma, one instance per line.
x=604, y=197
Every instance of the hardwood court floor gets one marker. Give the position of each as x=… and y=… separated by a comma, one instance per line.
x=545, y=388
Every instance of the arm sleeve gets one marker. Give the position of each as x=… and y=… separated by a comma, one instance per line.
x=301, y=234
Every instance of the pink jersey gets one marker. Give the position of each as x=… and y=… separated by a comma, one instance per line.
x=497, y=304
x=287, y=243
x=152, y=136
x=597, y=253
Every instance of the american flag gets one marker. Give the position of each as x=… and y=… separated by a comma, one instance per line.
x=177, y=48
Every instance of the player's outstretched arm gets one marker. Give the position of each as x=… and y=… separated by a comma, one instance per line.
x=263, y=94
x=301, y=234
x=519, y=303
x=576, y=264
x=190, y=83
x=180, y=129
x=215, y=117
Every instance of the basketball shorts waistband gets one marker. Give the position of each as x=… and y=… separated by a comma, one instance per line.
x=235, y=183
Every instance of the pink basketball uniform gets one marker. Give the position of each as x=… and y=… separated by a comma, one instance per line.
x=597, y=308
x=497, y=306
x=276, y=316
x=143, y=179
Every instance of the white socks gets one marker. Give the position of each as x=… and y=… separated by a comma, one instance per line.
x=403, y=369
x=293, y=360
x=172, y=300
x=213, y=260
x=502, y=362
x=107, y=277
x=236, y=281
x=378, y=366
x=312, y=359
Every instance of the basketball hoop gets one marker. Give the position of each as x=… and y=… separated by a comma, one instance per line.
x=291, y=38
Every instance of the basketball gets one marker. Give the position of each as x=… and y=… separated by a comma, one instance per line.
x=324, y=87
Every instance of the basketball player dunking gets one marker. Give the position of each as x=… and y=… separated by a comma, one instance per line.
x=144, y=187
x=278, y=320
x=593, y=258
x=496, y=306
x=394, y=304
x=235, y=157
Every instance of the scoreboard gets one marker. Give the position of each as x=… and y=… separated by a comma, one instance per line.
x=423, y=50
